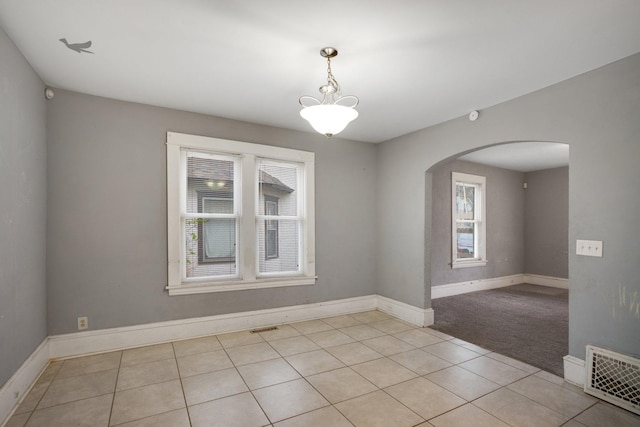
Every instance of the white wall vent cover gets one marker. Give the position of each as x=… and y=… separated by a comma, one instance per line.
x=613, y=377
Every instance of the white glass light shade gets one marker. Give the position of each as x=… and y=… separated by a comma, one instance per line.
x=329, y=119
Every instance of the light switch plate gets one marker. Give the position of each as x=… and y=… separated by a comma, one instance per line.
x=589, y=248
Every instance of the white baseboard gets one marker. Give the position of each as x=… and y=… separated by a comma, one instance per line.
x=89, y=342
x=574, y=370
x=104, y=340
x=553, y=282
x=451, y=289
x=14, y=390
x=417, y=316
x=475, y=285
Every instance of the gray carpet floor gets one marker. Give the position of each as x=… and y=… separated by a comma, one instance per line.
x=526, y=322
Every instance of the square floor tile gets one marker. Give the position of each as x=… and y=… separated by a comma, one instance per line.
x=391, y=326
x=92, y=412
x=371, y=316
x=330, y=338
x=196, y=345
x=142, y=402
x=342, y=321
x=147, y=373
x=239, y=339
x=269, y=372
x=516, y=410
x=387, y=345
x=420, y=362
x=558, y=381
x=362, y=332
x=493, y=370
x=513, y=362
x=178, y=418
x=465, y=384
x=289, y=399
x=353, y=353
x=201, y=363
x=50, y=371
x=89, y=364
x=324, y=417
x=467, y=416
x=314, y=362
x=548, y=376
x=283, y=331
x=605, y=415
x=555, y=397
x=573, y=423
x=417, y=337
x=147, y=354
x=294, y=345
x=311, y=326
x=31, y=400
x=79, y=387
x=378, y=409
x=451, y=352
x=384, y=372
x=438, y=334
x=341, y=384
x=240, y=410
x=252, y=353
x=424, y=397
x=470, y=346
x=19, y=420
x=214, y=385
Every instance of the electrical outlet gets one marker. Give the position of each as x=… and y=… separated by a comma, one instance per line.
x=83, y=323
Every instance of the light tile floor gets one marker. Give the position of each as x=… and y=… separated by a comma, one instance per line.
x=365, y=369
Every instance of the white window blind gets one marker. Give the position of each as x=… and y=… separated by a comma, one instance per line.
x=239, y=215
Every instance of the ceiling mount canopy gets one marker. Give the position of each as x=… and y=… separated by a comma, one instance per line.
x=328, y=116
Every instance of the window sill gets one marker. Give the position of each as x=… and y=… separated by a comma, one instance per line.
x=238, y=285
x=467, y=264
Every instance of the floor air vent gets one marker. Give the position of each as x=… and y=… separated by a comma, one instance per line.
x=613, y=377
x=269, y=328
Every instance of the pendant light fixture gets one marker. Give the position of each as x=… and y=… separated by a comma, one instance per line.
x=328, y=116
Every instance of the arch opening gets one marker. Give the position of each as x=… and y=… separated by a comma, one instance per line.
x=527, y=228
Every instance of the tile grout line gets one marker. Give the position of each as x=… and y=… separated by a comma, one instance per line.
x=184, y=395
x=115, y=387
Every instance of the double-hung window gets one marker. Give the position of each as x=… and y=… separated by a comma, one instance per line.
x=240, y=215
x=468, y=225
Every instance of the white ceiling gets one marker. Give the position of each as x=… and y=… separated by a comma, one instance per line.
x=522, y=156
x=412, y=63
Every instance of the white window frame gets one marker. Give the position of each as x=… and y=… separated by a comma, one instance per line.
x=246, y=258
x=480, y=207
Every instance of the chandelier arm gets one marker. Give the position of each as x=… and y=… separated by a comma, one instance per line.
x=353, y=99
x=307, y=97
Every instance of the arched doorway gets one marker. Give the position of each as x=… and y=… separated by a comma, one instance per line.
x=526, y=241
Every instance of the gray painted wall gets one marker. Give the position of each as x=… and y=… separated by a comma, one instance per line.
x=505, y=223
x=106, y=234
x=23, y=203
x=597, y=113
x=546, y=231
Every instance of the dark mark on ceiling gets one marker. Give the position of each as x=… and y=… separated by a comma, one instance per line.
x=78, y=47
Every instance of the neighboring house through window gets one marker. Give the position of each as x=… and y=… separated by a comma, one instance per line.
x=240, y=215
x=468, y=226
x=271, y=228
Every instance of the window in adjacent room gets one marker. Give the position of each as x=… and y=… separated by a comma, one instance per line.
x=468, y=220
x=240, y=215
